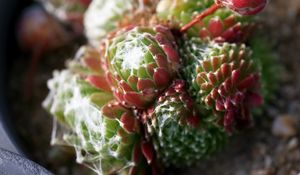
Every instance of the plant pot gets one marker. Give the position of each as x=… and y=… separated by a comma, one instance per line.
x=12, y=159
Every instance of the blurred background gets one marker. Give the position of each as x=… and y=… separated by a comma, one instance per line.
x=38, y=39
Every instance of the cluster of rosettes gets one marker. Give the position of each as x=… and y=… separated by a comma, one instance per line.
x=148, y=98
x=106, y=135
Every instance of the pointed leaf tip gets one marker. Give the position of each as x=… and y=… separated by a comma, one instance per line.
x=148, y=151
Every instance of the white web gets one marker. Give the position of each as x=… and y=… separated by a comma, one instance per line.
x=84, y=127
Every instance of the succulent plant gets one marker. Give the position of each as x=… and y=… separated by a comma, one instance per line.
x=68, y=11
x=121, y=104
x=88, y=63
x=224, y=78
x=105, y=135
x=223, y=25
x=179, y=137
x=181, y=11
x=242, y=7
x=104, y=16
x=68, y=5
x=142, y=62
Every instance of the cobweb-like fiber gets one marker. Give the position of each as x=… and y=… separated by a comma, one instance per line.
x=80, y=124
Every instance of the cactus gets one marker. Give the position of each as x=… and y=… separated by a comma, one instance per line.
x=224, y=78
x=142, y=62
x=179, y=137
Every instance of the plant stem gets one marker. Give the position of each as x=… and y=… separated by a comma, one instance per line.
x=199, y=17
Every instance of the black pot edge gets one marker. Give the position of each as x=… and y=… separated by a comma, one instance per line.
x=14, y=164
x=12, y=154
x=6, y=18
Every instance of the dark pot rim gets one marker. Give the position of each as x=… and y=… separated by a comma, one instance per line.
x=13, y=161
x=7, y=14
x=14, y=164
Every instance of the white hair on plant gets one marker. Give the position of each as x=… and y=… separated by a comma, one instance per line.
x=83, y=126
x=102, y=17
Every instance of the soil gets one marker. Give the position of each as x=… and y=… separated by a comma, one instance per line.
x=272, y=147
